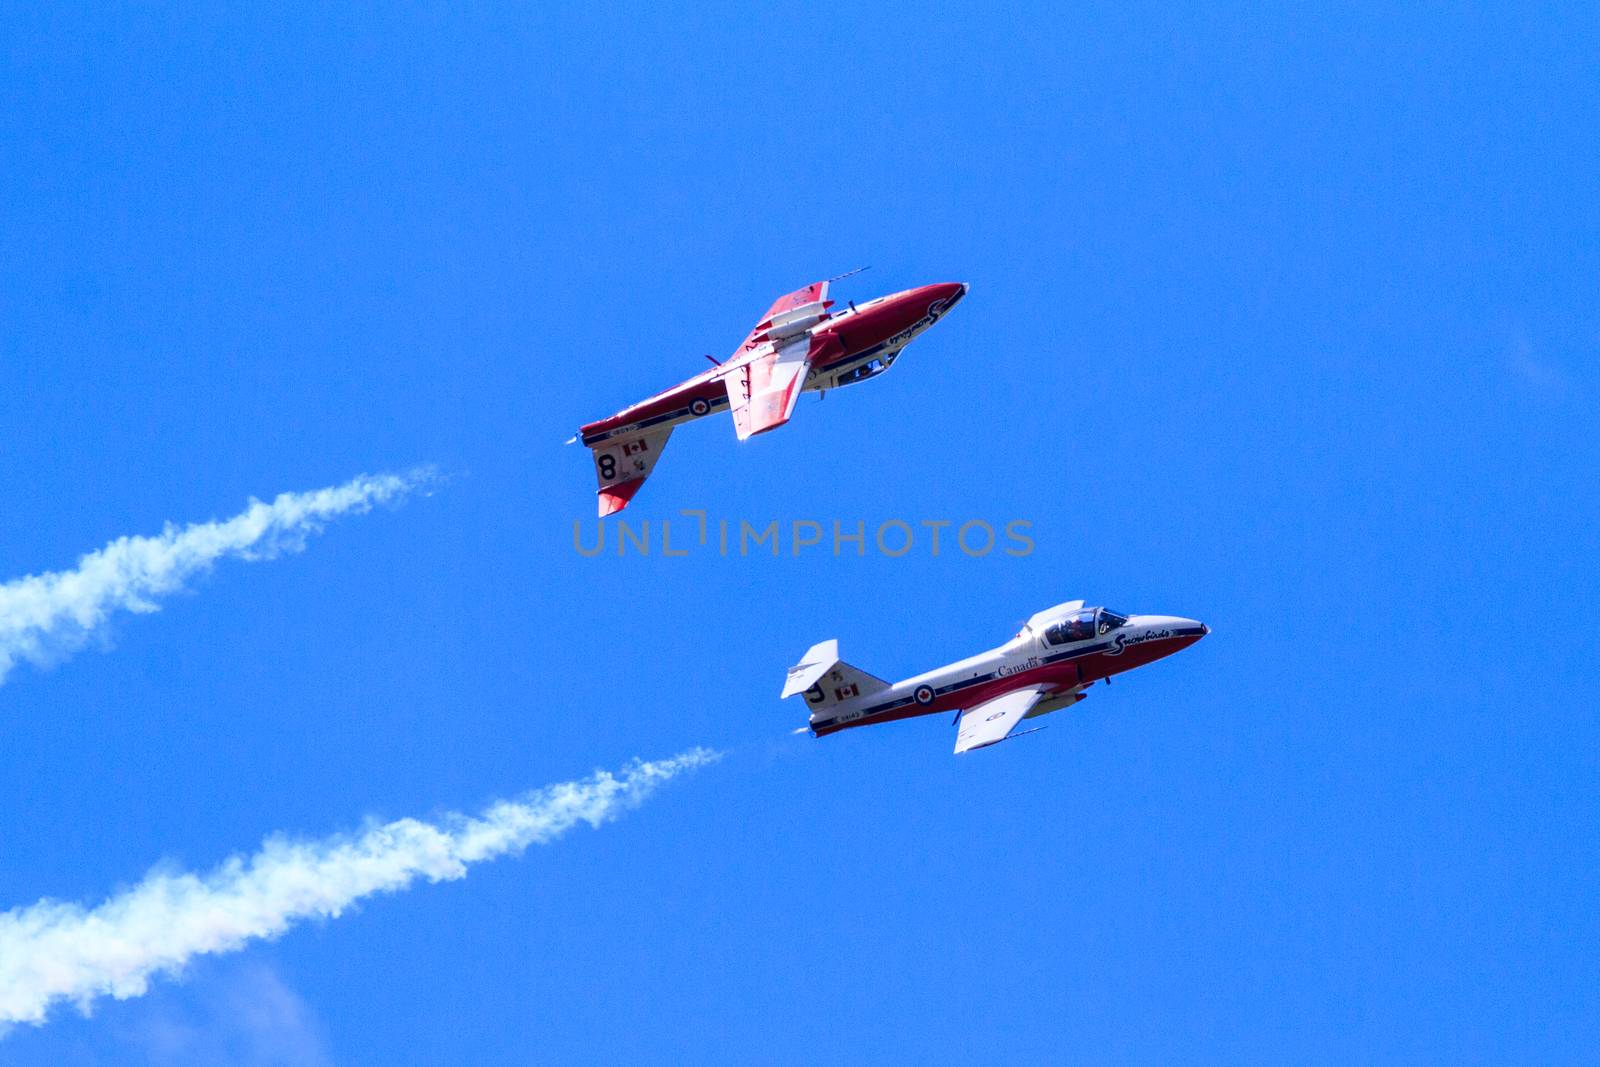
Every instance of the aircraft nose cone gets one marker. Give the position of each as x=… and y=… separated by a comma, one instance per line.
x=1190, y=630
x=944, y=296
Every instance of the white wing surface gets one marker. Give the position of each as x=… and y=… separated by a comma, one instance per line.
x=989, y=723
x=763, y=391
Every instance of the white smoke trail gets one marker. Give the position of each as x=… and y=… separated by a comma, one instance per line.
x=44, y=617
x=53, y=951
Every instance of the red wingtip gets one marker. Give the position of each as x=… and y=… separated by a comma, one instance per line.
x=616, y=498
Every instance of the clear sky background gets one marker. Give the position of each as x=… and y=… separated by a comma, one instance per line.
x=1282, y=321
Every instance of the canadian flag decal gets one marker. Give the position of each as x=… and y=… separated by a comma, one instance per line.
x=844, y=692
x=633, y=448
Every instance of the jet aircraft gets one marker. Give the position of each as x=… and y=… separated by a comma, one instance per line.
x=800, y=344
x=1049, y=665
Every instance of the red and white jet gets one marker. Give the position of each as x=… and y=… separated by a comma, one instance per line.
x=1058, y=654
x=800, y=344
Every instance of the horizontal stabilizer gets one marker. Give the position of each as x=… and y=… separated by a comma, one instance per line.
x=813, y=665
x=826, y=680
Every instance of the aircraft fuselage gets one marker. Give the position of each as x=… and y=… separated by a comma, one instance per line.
x=853, y=345
x=1029, y=659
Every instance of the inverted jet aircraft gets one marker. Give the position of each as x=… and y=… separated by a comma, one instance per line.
x=1055, y=657
x=800, y=344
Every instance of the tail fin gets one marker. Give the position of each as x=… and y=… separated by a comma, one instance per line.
x=622, y=464
x=827, y=681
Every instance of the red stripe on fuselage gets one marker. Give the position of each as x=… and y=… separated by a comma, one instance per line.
x=673, y=399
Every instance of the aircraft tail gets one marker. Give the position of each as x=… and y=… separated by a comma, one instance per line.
x=621, y=464
x=827, y=681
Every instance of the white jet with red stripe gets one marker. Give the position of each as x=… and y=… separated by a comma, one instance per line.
x=1049, y=665
x=801, y=344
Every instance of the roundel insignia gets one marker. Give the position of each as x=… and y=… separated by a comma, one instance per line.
x=698, y=407
x=923, y=694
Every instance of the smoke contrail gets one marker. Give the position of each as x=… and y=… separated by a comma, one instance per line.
x=53, y=951
x=43, y=617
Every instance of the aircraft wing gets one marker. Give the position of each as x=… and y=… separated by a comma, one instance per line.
x=989, y=723
x=762, y=393
x=768, y=372
x=621, y=465
x=806, y=300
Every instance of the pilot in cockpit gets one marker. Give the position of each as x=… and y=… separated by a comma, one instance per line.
x=1082, y=625
x=1110, y=620
x=1079, y=626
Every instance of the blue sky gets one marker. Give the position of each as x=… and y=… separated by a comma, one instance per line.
x=1280, y=320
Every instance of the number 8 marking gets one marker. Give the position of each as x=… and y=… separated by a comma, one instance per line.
x=608, y=467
